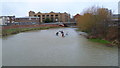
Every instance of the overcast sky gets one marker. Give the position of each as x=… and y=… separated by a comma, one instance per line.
x=21, y=8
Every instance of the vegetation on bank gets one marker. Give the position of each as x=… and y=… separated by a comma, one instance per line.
x=48, y=20
x=6, y=32
x=100, y=41
x=95, y=21
x=78, y=30
x=94, y=39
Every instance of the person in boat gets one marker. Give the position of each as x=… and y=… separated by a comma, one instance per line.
x=62, y=33
x=57, y=33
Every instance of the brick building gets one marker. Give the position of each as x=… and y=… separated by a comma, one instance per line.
x=76, y=17
x=54, y=17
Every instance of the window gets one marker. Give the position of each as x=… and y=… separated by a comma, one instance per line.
x=38, y=15
x=51, y=15
x=56, y=15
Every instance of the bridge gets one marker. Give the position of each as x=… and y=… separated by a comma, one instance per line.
x=66, y=24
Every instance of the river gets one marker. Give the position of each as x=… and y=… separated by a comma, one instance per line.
x=44, y=48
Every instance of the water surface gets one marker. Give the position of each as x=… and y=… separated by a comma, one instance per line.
x=44, y=48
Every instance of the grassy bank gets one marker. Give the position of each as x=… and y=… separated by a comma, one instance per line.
x=100, y=41
x=95, y=39
x=78, y=30
x=6, y=32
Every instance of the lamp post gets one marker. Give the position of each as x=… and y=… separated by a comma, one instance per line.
x=56, y=20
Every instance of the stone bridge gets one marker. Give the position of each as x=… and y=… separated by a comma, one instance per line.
x=69, y=24
x=66, y=24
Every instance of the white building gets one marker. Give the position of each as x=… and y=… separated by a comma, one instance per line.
x=4, y=20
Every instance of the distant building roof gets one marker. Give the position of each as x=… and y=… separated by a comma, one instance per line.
x=27, y=17
x=7, y=16
x=116, y=16
x=77, y=15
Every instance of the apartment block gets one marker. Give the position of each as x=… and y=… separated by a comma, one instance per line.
x=54, y=17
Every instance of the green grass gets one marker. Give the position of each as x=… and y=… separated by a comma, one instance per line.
x=100, y=41
x=18, y=30
x=78, y=30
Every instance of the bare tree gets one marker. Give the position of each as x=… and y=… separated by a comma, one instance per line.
x=95, y=21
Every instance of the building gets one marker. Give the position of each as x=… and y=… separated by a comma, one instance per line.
x=115, y=20
x=76, y=17
x=6, y=20
x=52, y=16
x=115, y=16
x=27, y=20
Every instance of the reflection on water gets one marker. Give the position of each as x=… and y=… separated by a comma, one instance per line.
x=44, y=48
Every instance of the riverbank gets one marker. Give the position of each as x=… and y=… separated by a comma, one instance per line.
x=6, y=32
x=98, y=40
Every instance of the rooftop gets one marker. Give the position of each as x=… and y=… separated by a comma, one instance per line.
x=27, y=17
